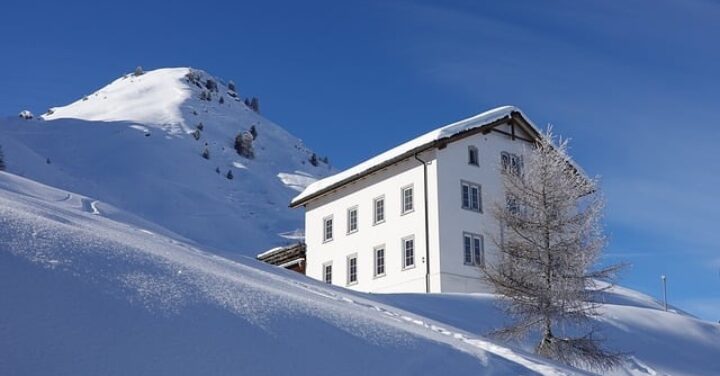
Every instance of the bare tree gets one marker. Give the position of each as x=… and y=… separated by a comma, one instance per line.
x=551, y=240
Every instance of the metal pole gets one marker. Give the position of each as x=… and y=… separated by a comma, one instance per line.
x=664, y=279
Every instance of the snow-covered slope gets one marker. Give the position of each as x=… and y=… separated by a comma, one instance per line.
x=101, y=291
x=158, y=98
x=132, y=144
x=83, y=294
x=656, y=342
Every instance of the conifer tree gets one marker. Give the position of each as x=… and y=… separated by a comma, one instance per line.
x=255, y=104
x=314, y=159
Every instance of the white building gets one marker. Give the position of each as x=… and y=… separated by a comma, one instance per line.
x=415, y=218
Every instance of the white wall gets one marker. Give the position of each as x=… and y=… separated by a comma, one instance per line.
x=453, y=167
x=390, y=233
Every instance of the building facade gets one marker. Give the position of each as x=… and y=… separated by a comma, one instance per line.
x=417, y=217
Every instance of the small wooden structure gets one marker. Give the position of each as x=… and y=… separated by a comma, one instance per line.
x=289, y=257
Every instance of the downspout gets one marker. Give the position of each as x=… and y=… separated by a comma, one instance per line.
x=427, y=223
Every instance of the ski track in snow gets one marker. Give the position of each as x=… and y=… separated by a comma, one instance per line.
x=90, y=206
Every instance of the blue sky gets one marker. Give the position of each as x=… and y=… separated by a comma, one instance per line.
x=634, y=84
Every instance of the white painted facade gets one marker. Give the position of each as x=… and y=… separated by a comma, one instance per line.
x=448, y=223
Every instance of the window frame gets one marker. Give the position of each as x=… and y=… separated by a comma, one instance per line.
x=350, y=230
x=477, y=256
x=349, y=260
x=375, y=211
x=467, y=248
x=411, y=188
x=404, y=249
x=470, y=185
x=325, y=229
x=473, y=152
x=505, y=161
x=325, y=267
x=375, y=261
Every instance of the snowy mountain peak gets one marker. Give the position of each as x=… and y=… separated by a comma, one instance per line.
x=170, y=98
x=181, y=148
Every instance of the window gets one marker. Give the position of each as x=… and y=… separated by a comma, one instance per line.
x=327, y=229
x=479, y=250
x=380, y=261
x=352, y=270
x=407, y=200
x=473, y=156
x=467, y=256
x=327, y=273
x=505, y=160
x=379, y=205
x=511, y=163
x=473, y=250
x=512, y=204
x=471, y=199
x=408, y=246
x=352, y=220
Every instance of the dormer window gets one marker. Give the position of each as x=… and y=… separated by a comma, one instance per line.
x=473, y=156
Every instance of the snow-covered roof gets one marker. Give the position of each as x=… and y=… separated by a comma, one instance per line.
x=414, y=145
x=292, y=263
x=269, y=252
